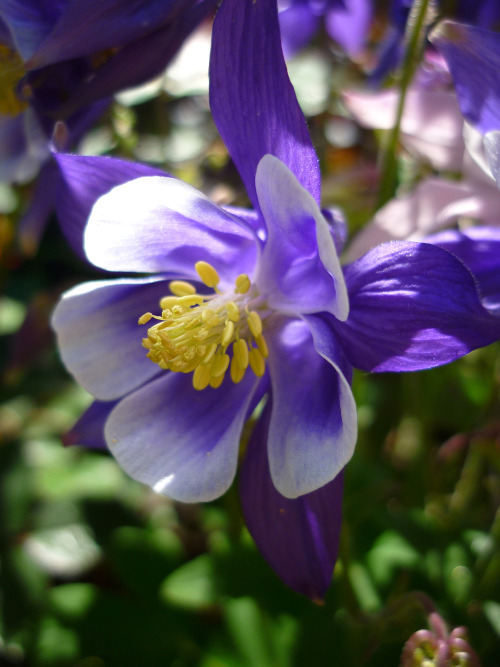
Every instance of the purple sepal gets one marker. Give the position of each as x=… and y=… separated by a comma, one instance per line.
x=83, y=180
x=473, y=56
x=32, y=225
x=348, y=23
x=255, y=113
x=298, y=25
x=87, y=26
x=479, y=249
x=413, y=306
x=89, y=429
x=299, y=538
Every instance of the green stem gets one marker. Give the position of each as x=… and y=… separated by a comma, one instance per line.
x=417, y=22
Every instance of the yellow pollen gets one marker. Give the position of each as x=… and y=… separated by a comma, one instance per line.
x=207, y=273
x=257, y=363
x=208, y=334
x=240, y=353
x=168, y=302
x=262, y=345
x=210, y=353
x=233, y=312
x=216, y=382
x=181, y=288
x=242, y=283
x=219, y=364
x=237, y=373
x=227, y=334
x=201, y=377
x=11, y=73
x=254, y=323
x=145, y=318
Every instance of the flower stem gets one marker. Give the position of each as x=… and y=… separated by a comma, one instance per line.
x=418, y=20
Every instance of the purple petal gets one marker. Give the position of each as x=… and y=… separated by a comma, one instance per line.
x=413, y=306
x=299, y=267
x=29, y=22
x=83, y=180
x=89, y=429
x=181, y=442
x=348, y=23
x=298, y=25
x=88, y=26
x=98, y=335
x=252, y=100
x=312, y=431
x=479, y=249
x=473, y=56
x=299, y=538
x=140, y=60
x=24, y=147
x=156, y=224
x=33, y=223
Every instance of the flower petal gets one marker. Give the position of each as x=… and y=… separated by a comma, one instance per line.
x=298, y=25
x=473, y=56
x=156, y=224
x=299, y=538
x=435, y=203
x=479, y=249
x=89, y=429
x=413, y=306
x=181, y=442
x=299, y=266
x=98, y=335
x=313, y=423
x=83, y=180
x=252, y=100
x=348, y=23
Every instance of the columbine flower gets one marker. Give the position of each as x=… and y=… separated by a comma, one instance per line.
x=438, y=648
x=248, y=306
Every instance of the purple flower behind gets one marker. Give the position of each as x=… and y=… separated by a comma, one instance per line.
x=243, y=308
x=64, y=61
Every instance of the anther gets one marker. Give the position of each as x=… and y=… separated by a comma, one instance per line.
x=257, y=363
x=210, y=318
x=262, y=345
x=145, y=318
x=219, y=364
x=240, y=353
x=216, y=382
x=207, y=273
x=201, y=377
x=168, y=302
x=227, y=334
x=242, y=283
x=233, y=312
x=190, y=300
x=181, y=288
x=237, y=373
x=254, y=323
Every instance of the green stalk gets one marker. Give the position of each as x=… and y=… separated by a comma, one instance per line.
x=418, y=20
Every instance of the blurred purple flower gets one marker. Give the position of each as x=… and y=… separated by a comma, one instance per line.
x=347, y=22
x=253, y=305
x=63, y=60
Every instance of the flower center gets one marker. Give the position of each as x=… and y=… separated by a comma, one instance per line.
x=11, y=72
x=195, y=332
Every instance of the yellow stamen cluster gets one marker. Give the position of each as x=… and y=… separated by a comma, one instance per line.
x=196, y=332
x=11, y=73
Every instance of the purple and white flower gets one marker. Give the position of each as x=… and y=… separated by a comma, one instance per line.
x=246, y=308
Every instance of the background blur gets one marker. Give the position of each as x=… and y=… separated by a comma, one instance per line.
x=97, y=570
